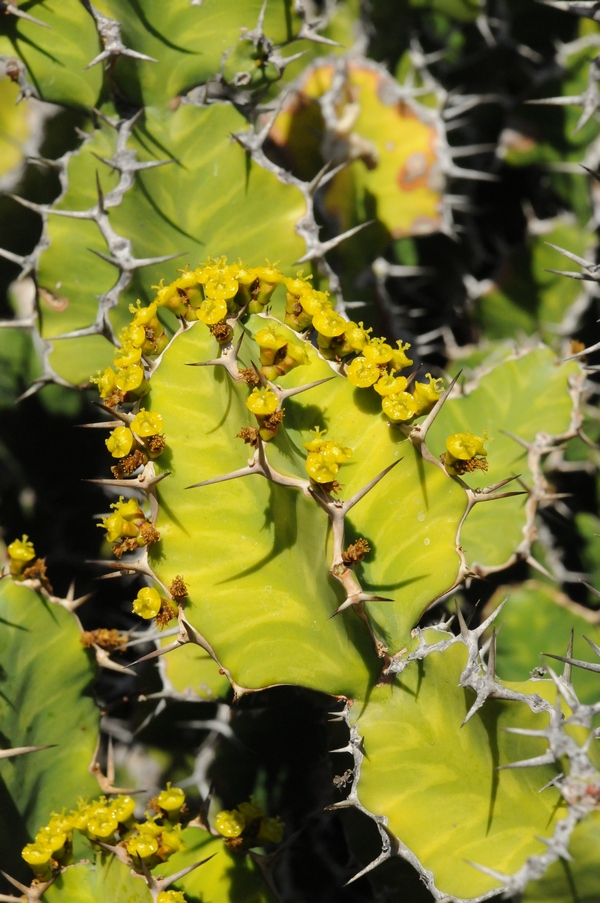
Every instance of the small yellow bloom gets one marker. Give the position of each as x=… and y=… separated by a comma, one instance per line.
x=147, y=603
x=171, y=896
x=171, y=842
x=38, y=856
x=328, y=323
x=147, y=423
x=262, y=402
x=130, y=378
x=426, y=394
x=106, y=382
x=171, y=799
x=142, y=846
x=150, y=827
x=464, y=446
x=123, y=808
x=356, y=335
x=324, y=458
x=390, y=385
x=20, y=551
x=230, y=823
x=377, y=351
x=120, y=442
x=400, y=407
x=102, y=824
x=363, y=373
x=399, y=358
x=212, y=310
x=52, y=838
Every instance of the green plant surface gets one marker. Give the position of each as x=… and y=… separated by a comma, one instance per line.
x=56, y=57
x=527, y=297
x=572, y=882
x=541, y=610
x=188, y=42
x=261, y=580
x=438, y=784
x=46, y=677
x=193, y=671
x=209, y=199
x=525, y=395
x=225, y=878
x=106, y=879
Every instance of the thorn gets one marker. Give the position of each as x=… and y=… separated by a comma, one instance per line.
x=162, y=883
x=350, y=503
x=323, y=247
x=420, y=432
x=586, y=666
x=486, y=871
x=284, y=394
x=251, y=469
x=595, y=647
x=538, y=567
x=546, y=758
x=516, y=438
x=464, y=630
x=11, y=8
x=22, y=750
x=491, y=669
x=500, y=484
x=567, y=670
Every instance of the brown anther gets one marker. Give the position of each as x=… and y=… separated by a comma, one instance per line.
x=355, y=552
x=156, y=445
x=102, y=636
x=330, y=488
x=250, y=435
x=129, y=464
x=178, y=589
x=273, y=420
x=250, y=376
x=130, y=544
x=37, y=571
x=115, y=399
x=149, y=533
x=576, y=346
x=222, y=332
x=459, y=467
x=165, y=615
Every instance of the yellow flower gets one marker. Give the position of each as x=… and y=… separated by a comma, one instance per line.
x=171, y=799
x=390, y=385
x=464, y=446
x=142, y=846
x=171, y=842
x=399, y=358
x=123, y=808
x=400, y=407
x=363, y=373
x=324, y=457
x=426, y=394
x=38, y=856
x=120, y=442
x=147, y=603
x=52, y=838
x=20, y=551
x=328, y=323
x=102, y=824
x=212, y=310
x=356, y=335
x=106, y=382
x=130, y=378
x=378, y=351
x=230, y=823
x=270, y=341
x=262, y=402
x=170, y=896
x=147, y=423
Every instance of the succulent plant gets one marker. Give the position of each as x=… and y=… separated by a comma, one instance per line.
x=246, y=229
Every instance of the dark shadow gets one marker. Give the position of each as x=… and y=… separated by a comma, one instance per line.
x=282, y=503
x=423, y=480
x=156, y=33
x=489, y=719
x=13, y=837
x=227, y=404
x=16, y=626
x=389, y=587
x=161, y=214
x=151, y=143
x=367, y=401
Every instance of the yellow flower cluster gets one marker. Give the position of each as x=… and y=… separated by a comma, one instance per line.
x=216, y=290
x=150, y=841
x=128, y=526
x=123, y=440
x=249, y=825
x=324, y=457
x=20, y=553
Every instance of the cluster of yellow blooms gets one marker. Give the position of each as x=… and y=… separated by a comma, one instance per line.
x=216, y=291
x=324, y=457
x=465, y=453
x=113, y=821
x=248, y=825
x=128, y=526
